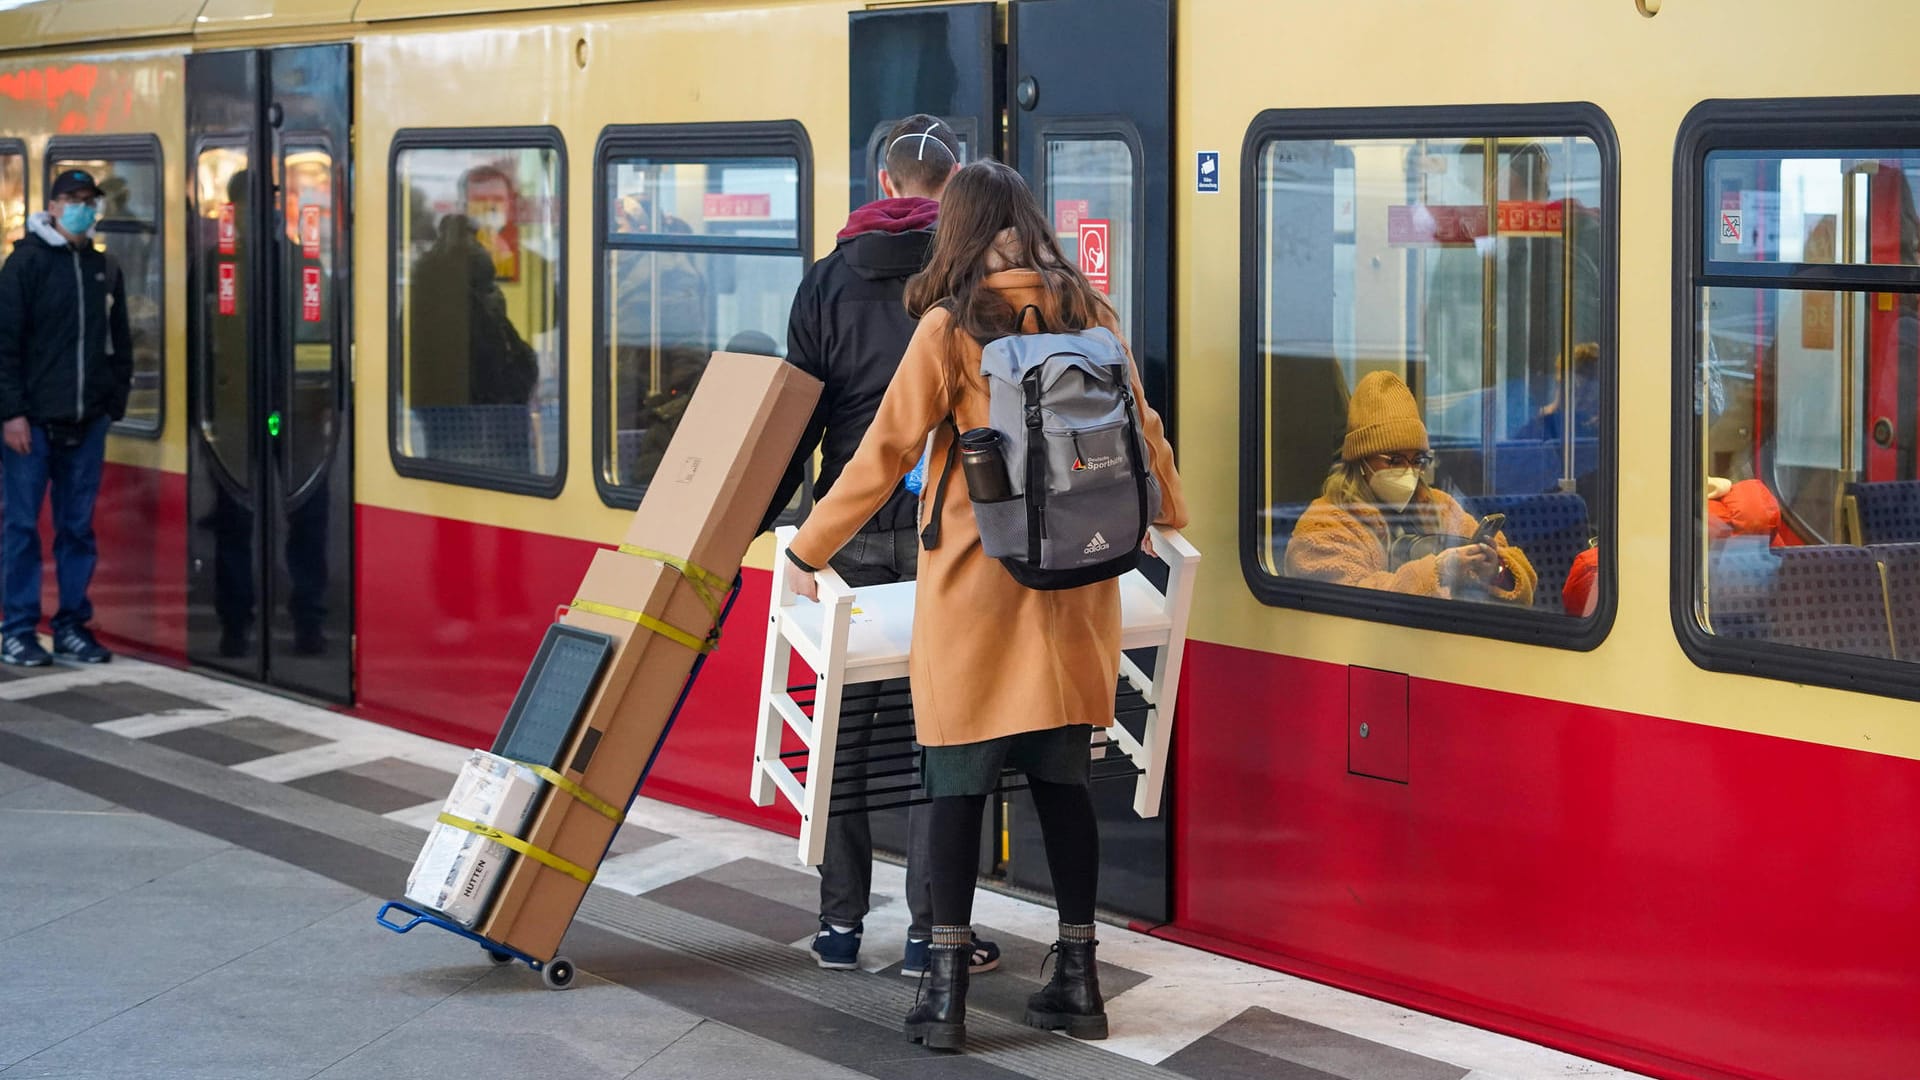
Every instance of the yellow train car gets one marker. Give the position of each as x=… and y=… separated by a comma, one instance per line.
x=419, y=286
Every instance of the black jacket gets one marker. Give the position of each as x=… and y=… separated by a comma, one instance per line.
x=66, y=352
x=849, y=329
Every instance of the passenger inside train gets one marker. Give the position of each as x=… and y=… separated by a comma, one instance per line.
x=1379, y=524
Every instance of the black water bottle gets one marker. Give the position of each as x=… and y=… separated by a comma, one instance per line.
x=985, y=465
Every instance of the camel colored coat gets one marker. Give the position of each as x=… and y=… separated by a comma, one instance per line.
x=990, y=657
x=1348, y=545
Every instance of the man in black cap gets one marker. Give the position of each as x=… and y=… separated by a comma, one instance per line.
x=66, y=367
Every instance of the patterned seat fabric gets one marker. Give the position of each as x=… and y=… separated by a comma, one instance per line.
x=1551, y=530
x=1902, y=565
x=1889, y=511
x=1827, y=597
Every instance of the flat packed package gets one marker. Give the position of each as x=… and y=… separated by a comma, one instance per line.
x=656, y=598
x=459, y=869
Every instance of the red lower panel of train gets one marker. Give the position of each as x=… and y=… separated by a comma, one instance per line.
x=1670, y=896
x=1677, y=898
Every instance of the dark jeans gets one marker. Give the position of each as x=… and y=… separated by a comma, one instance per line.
x=846, y=871
x=74, y=475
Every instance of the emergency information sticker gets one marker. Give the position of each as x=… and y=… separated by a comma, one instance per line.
x=310, y=294
x=228, y=294
x=1094, y=252
x=228, y=230
x=310, y=231
x=1207, y=180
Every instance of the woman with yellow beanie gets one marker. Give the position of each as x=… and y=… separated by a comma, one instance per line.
x=1379, y=525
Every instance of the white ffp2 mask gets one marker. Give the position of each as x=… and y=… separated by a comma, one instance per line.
x=1395, y=487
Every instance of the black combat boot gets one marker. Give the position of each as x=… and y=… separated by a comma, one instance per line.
x=1072, y=1000
x=939, y=1017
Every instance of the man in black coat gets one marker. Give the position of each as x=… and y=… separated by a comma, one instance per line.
x=849, y=329
x=66, y=368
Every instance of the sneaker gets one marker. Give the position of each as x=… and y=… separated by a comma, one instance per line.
x=986, y=957
x=76, y=643
x=23, y=650
x=836, y=951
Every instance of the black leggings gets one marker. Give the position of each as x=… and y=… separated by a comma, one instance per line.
x=1073, y=851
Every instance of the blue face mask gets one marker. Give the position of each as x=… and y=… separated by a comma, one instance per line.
x=77, y=218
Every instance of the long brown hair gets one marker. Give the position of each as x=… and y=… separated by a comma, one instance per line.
x=982, y=200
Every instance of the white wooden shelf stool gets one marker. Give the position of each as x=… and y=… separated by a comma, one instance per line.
x=846, y=649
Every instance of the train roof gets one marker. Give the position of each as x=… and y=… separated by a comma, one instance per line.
x=39, y=24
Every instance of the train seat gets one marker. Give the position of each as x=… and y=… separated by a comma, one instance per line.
x=1535, y=465
x=1552, y=530
x=1889, y=511
x=1827, y=597
x=856, y=637
x=1901, y=563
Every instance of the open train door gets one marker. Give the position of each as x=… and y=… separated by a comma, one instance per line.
x=1089, y=118
x=269, y=466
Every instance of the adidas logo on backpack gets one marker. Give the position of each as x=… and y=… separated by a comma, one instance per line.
x=1077, y=461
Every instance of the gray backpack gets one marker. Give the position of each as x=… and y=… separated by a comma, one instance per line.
x=1083, y=489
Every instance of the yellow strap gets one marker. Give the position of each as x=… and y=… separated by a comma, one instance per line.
x=514, y=843
x=709, y=585
x=595, y=607
x=605, y=808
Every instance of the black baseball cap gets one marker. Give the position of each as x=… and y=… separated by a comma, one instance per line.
x=74, y=180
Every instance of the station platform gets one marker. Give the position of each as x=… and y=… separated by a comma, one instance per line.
x=189, y=871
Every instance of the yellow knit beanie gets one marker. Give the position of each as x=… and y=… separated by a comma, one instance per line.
x=1382, y=417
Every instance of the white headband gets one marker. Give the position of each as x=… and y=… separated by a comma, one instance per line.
x=924, y=137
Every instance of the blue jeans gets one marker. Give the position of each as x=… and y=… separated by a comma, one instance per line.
x=74, y=475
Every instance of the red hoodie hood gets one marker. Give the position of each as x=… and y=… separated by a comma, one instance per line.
x=892, y=216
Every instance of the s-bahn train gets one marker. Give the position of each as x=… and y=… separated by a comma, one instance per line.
x=419, y=288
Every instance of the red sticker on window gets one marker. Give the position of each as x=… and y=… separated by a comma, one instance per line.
x=228, y=230
x=229, y=290
x=310, y=294
x=1095, y=253
x=310, y=231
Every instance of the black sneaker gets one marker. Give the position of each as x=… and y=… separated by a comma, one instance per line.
x=76, y=643
x=23, y=650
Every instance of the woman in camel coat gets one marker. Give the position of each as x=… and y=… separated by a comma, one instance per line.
x=1002, y=675
x=1378, y=501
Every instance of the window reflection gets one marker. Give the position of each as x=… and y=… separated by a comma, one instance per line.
x=224, y=241
x=477, y=282
x=129, y=230
x=13, y=199
x=700, y=256
x=1439, y=296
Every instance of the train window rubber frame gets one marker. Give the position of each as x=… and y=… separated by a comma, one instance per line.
x=539, y=137
x=1566, y=119
x=685, y=142
x=143, y=148
x=1779, y=125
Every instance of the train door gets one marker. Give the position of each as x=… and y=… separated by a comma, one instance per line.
x=270, y=555
x=1085, y=89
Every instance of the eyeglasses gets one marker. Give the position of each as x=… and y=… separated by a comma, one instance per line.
x=1421, y=460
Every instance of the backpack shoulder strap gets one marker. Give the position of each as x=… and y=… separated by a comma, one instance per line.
x=930, y=536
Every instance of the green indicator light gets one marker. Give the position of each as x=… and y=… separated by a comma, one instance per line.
x=273, y=424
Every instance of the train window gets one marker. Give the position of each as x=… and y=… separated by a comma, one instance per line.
x=703, y=232
x=1429, y=365
x=1092, y=186
x=1798, y=486
x=128, y=170
x=478, y=318
x=13, y=194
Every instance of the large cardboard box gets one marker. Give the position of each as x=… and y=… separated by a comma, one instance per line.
x=704, y=505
